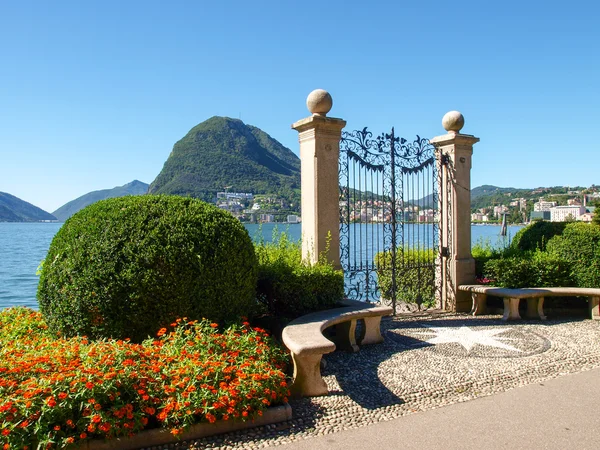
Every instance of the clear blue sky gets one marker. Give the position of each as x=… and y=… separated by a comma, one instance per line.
x=93, y=94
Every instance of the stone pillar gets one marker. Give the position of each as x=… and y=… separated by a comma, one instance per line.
x=319, y=138
x=454, y=151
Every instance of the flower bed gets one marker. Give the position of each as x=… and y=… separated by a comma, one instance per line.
x=56, y=391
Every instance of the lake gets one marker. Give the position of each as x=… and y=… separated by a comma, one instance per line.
x=24, y=245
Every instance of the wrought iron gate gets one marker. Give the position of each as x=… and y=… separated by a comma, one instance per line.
x=389, y=218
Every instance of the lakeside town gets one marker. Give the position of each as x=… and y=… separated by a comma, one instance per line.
x=550, y=205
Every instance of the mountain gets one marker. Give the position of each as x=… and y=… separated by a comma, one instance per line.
x=225, y=153
x=13, y=209
x=489, y=190
x=67, y=210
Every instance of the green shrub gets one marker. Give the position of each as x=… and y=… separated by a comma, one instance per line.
x=126, y=267
x=579, y=244
x=533, y=269
x=290, y=287
x=483, y=251
x=536, y=235
x=415, y=275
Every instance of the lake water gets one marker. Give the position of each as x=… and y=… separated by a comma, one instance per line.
x=24, y=245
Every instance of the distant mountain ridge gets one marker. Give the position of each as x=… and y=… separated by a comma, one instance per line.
x=13, y=209
x=225, y=153
x=67, y=210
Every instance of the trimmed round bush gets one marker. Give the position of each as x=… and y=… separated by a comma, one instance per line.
x=126, y=267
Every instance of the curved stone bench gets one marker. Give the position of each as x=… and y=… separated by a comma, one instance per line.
x=534, y=296
x=304, y=338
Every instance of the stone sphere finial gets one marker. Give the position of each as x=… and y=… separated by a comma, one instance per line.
x=319, y=102
x=453, y=121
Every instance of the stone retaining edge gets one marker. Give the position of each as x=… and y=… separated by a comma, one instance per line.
x=162, y=436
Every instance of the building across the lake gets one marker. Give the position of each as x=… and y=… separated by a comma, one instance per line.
x=564, y=213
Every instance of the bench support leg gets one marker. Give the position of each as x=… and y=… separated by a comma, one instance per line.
x=345, y=336
x=535, y=308
x=479, y=304
x=511, y=309
x=371, y=332
x=594, y=304
x=307, y=376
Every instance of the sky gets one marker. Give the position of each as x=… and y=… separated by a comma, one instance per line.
x=94, y=94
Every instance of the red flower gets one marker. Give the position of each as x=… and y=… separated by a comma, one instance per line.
x=51, y=402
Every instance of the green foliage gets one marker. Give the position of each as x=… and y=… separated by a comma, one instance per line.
x=483, y=251
x=415, y=275
x=225, y=152
x=533, y=269
x=536, y=235
x=128, y=266
x=290, y=287
x=579, y=244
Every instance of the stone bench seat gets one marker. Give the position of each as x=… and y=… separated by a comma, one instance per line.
x=307, y=344
x=535, y=299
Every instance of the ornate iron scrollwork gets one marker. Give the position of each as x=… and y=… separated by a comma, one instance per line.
x=385, y=183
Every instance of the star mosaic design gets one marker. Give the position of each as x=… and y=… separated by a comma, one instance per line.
x=468, y=338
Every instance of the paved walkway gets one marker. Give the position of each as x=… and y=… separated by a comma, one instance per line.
x=449, y=381
x=558, y=414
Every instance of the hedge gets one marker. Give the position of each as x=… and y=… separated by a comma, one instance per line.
x=290, y=287
x=579, y=244
x=415, y=275
x=536, y=235
x=534, y=269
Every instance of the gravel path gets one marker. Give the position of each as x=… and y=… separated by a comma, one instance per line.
x=427, y=362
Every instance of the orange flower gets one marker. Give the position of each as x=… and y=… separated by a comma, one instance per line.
x=96, y=418
x=51, y=402
x=70, y=440
x=161, y=331
x=89, y=385
x=82, y=435
x=214, y=325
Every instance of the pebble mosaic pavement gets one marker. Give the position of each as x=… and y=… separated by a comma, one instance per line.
x=427, y=361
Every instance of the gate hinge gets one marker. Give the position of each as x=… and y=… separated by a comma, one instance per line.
x=445, y=159
x=445, y=253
